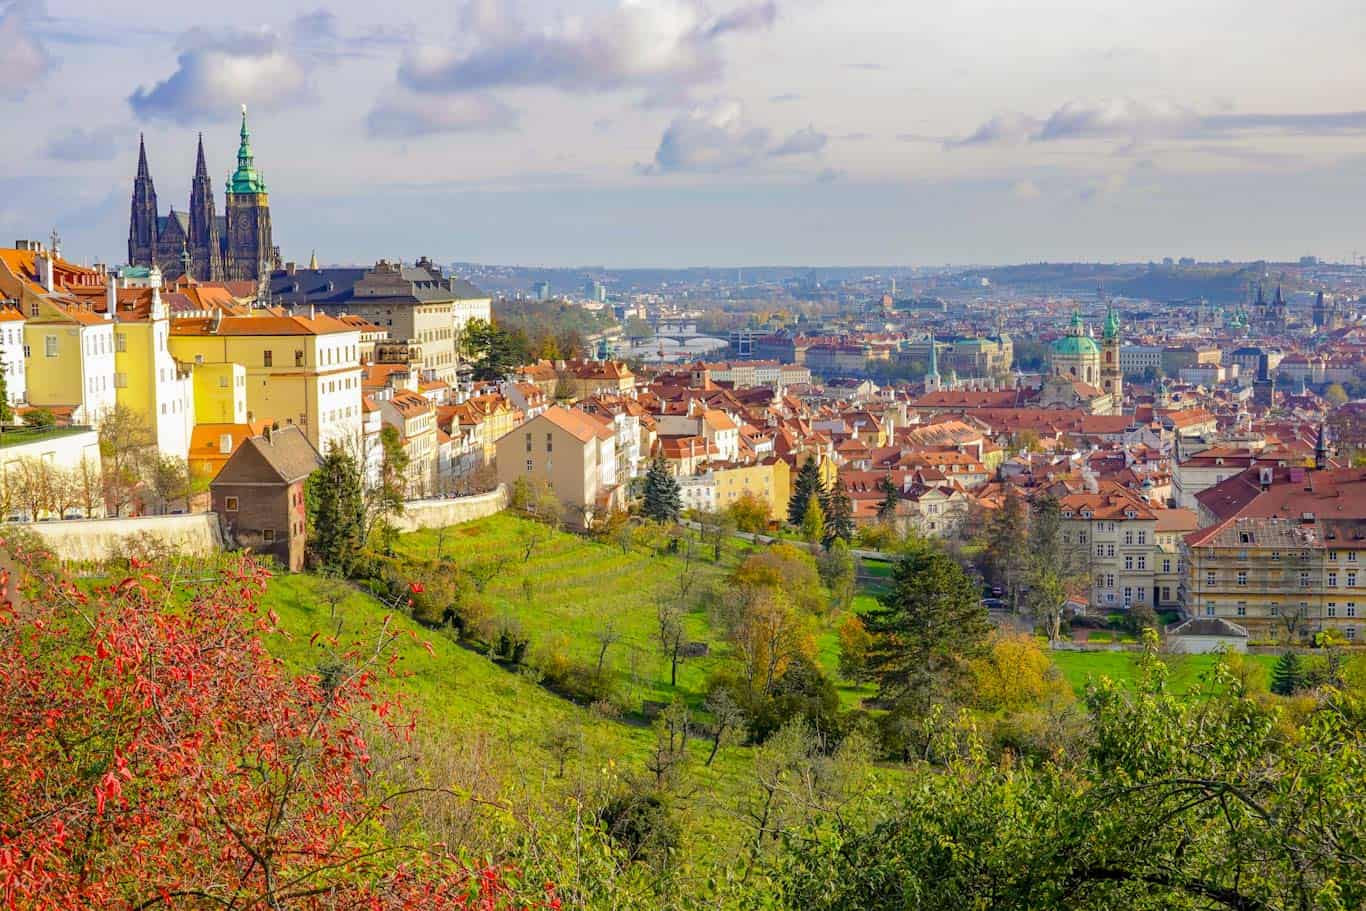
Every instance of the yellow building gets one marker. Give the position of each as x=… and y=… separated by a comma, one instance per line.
x=301, y=370
x=771, y=482
x=150, y=382
x=220, y=393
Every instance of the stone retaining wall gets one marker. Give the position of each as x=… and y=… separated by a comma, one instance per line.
x=97, y=540
x=419, y=514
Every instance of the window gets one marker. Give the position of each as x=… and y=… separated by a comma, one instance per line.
x=1142, y=594
x=1128, y=537
x=1242, y=577
x=1275, y=610
x=1242, y=608
x=529, y=465
x=1109, y=550
x=1332, y=609
x=120, y=343
x=268, y=358
x=1351, y=556
x=269, y=535
x=1166, y=566
x=1351, y=579
x=1276, y=555
x=1128, y=561
x=1332, y=580
x=1109, y=580
x=1304, y=580
x=1142, y=537
x=1209, y=608
x=230, y=504
x=1351, y=608
x=1209, y=578
x=1081, y=537
x=1166, y=593
x=1333, y=556
x=549, y=440
x=1128, y=595
x=50, y=345
x=1100, y=550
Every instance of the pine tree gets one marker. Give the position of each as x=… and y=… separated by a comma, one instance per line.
x=925, y=631
x=1289, y=676
x=663, y=502
x=891, y=497
x=807, y=485
x=336, y=505
x=839, y=514
x=813, y=521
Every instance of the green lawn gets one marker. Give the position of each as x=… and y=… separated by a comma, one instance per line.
x=1080, y=667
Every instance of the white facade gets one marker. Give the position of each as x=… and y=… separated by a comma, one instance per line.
x=698, y=492
x=12, y=351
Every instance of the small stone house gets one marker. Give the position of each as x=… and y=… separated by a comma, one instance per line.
x=259, y=494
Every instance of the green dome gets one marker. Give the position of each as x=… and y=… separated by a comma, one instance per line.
x=1076, y=346
x=246, y=179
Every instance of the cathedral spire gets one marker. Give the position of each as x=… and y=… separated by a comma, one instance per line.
x=143, y=172
x=201, y=170
x=246, y=179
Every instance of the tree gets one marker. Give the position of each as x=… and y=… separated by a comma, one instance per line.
x=891, y=498
x=837, y=572
x=1289, y=675
x=767, y=632
x=839, y=519
x=1006, y=561
x=385, y=499
x=89, y=487
x=662, y=500
x=40, y=418
x=562, y=741
x=32, y=480
x=716, y=528
x=493, y=351
x=1335, y=394
x=335, y=495
x=607, y=635
x=1014, y=673
x=671, y=634
x=1054, y=567
x=126, y=448
x=196, y=770
x=170, y=480
x=813, y=521
x=807, y=485
x=6, y=410
x=925, y=631
x=749, y=513
x=727, y=721
x=854, y=642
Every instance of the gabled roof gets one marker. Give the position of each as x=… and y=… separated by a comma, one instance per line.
x=284, y=457
x=576, y=423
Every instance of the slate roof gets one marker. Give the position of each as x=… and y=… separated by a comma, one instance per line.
x=287, y=456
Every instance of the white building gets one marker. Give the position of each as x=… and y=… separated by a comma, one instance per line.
x=12, y=352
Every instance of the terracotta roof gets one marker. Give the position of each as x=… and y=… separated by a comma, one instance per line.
x=261, y=325
x=576, y=423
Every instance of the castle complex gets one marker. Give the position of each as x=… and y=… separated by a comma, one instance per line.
x=206, y=246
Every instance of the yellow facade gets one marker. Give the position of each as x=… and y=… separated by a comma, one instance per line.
x=770, y=483
x=311, y=380
x=220, y=393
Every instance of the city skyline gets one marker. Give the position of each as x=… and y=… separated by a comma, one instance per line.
x=676, y=133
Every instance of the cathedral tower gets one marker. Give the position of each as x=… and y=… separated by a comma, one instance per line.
x=142, y=221
x=248, y=251
x=204, y=243
x=1111, y=374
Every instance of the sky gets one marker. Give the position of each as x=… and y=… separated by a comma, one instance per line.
x=704, y=132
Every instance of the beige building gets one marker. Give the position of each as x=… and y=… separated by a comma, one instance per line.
x=1129, y=546
x=415, y=420
x=572, y=452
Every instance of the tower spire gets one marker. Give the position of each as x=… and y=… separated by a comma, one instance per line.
x=143, y=171
x=201, y=169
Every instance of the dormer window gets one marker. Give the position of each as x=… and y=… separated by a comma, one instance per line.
x=1130, y=514
x=1086, y=513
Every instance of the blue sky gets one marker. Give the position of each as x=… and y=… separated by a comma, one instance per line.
x=702, y=132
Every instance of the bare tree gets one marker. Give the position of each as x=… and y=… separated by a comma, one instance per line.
x=727, y=721
x=607, y=635
x=670, y=750
x=89, y=486
x=670, y=634
x=126, y=446
x=170, y=477
x=32, y=479
x=562, y=741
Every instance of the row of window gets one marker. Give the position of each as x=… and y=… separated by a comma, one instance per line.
x=1306, y=579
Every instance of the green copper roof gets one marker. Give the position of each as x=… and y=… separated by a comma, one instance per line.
x=1076, y=344
x=246, y=179
x=1111, y=323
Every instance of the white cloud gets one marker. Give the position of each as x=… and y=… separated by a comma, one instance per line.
x=23, y=59
x=718, y=137
x=639, y=44
x=408, y=116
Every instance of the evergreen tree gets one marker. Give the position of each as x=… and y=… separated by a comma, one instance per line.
x=1006, y=561
x=1289, y=676
x=839, y=514
x=925, y=631
x=886, y=509
x=807, y=485
x=336, y=506
x=813, y=521
x=663, y=502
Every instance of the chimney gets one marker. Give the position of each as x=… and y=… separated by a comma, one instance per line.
x=111, y=294
x=44, y=262
x=290, y=268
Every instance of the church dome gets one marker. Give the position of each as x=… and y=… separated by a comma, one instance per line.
x=1076, y=346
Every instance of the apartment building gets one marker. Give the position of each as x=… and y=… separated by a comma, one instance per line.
x=1116, y=530
x=572, y=452
x=414, y=417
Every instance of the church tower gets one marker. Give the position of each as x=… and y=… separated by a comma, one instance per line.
x=248, y=252
x=142, y=221
x=205, y=245
x=1111, y=374
x=933, y=382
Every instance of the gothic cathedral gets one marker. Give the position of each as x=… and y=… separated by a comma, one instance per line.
x=235, y=246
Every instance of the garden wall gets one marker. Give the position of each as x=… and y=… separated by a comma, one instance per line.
x=97, y=540
x=418, y=514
